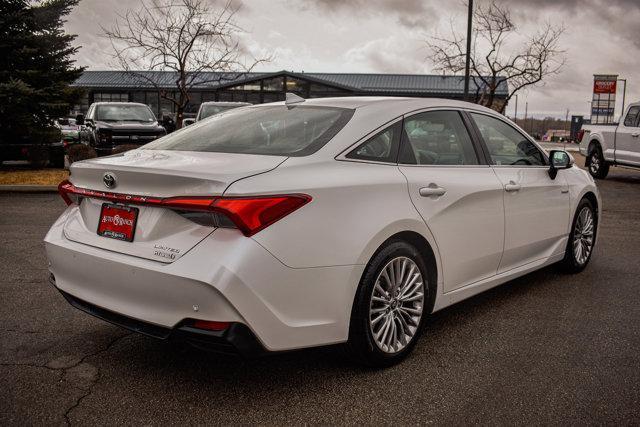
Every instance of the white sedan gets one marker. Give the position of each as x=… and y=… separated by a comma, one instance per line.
x=306, y=223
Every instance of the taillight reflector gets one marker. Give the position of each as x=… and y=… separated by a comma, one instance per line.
x=249, y=214
x=210, y=325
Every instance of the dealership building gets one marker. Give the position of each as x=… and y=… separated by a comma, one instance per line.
x=255, y=87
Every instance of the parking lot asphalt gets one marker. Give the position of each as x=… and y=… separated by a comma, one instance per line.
x=547, y=348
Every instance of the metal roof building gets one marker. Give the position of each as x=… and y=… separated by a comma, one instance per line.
x=256, y=87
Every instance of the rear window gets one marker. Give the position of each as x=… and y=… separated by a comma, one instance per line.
x=273, y=130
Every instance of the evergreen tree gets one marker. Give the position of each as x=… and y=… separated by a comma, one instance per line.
x=36, y=70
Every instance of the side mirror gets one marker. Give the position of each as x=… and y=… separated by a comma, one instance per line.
x=80, y=119
x=559, y=160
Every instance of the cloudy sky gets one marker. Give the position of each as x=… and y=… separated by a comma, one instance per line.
x=388, y=36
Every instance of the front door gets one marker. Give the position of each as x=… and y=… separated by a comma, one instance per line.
x=628, y=138
x=537, y=208
x=459, y=198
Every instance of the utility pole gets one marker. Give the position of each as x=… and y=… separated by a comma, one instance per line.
x=468, y=59
x=526, y=110
x=515, y=118
x=566, y=123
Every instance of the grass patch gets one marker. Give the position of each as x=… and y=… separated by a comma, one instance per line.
x=33, y=177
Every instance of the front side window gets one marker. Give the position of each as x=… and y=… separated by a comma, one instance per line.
x=383, y=147
x=271, y=130
x=506, y=145
x=124, y=113
x=437, y=138
x=632, y=117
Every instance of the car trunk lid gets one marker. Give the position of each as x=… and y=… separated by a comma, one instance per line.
x=161, y=234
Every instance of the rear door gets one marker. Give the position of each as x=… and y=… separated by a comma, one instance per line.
x=537, y=208
x=628, y=138
x=457, y=194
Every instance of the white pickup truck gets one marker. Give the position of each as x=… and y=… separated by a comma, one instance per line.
x=612, y=145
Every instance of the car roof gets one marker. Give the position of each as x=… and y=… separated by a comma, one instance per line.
x=118, y=103
x=388, y=102
x=225, y=103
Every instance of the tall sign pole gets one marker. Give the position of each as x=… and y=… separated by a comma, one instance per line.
x=468, y=59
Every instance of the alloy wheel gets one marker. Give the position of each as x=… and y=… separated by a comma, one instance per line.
x=397, y=303
x=583, y=236
x=594, y=165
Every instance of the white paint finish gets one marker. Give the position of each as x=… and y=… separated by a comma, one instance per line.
x=294, y=282
x=628, y=145
x=467, y=221
x=170, y=173
x=161, y=234
x=230, y=278
x=536, y=215
x=355, y=206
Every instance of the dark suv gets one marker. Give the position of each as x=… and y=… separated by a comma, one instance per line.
x=110, y=124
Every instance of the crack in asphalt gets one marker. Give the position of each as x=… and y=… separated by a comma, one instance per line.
x=63, y=371
x=88, y=390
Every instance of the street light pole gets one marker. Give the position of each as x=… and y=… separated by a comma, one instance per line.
x=468, y=59
x=515, y=118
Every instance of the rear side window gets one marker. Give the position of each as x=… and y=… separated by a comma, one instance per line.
x=272, y=130
x=383, y=147
x=632, y=117
x=437, y=138
x=506, y=145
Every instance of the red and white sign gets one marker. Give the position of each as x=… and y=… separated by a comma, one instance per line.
x=604, y=86
x=603, y=101
x=117, y=222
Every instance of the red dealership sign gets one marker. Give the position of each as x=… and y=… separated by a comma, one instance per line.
x=604, y=86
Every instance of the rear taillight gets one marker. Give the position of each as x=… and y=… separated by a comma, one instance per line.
x=209, y=325
x=249, y=214
x=580, y=135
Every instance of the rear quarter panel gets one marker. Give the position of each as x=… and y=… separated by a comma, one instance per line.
x=355, y=208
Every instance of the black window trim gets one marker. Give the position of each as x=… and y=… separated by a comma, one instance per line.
x=637, y=120
x=342, y=156
x=480, y=154
x=395, y=146
x=485, y=148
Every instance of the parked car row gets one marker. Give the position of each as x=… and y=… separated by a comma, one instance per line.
x=105, y=127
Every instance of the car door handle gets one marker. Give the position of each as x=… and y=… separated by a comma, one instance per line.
x=635, y=135
x=512, y=186
x=432, y=190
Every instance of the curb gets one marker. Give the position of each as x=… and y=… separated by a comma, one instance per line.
x=21, y=188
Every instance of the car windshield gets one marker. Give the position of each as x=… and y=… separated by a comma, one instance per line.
x=272, y=130
x=212, y=110
x=124, y=113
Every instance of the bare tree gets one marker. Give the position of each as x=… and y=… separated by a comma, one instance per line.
x=495, y=58
x=187, y=37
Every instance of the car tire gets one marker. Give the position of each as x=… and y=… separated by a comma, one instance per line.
x=598, y=166
x=367, y=339
x=583, y=234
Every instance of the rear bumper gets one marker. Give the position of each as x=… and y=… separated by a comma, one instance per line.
x=236, y=339
x=227, y=277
